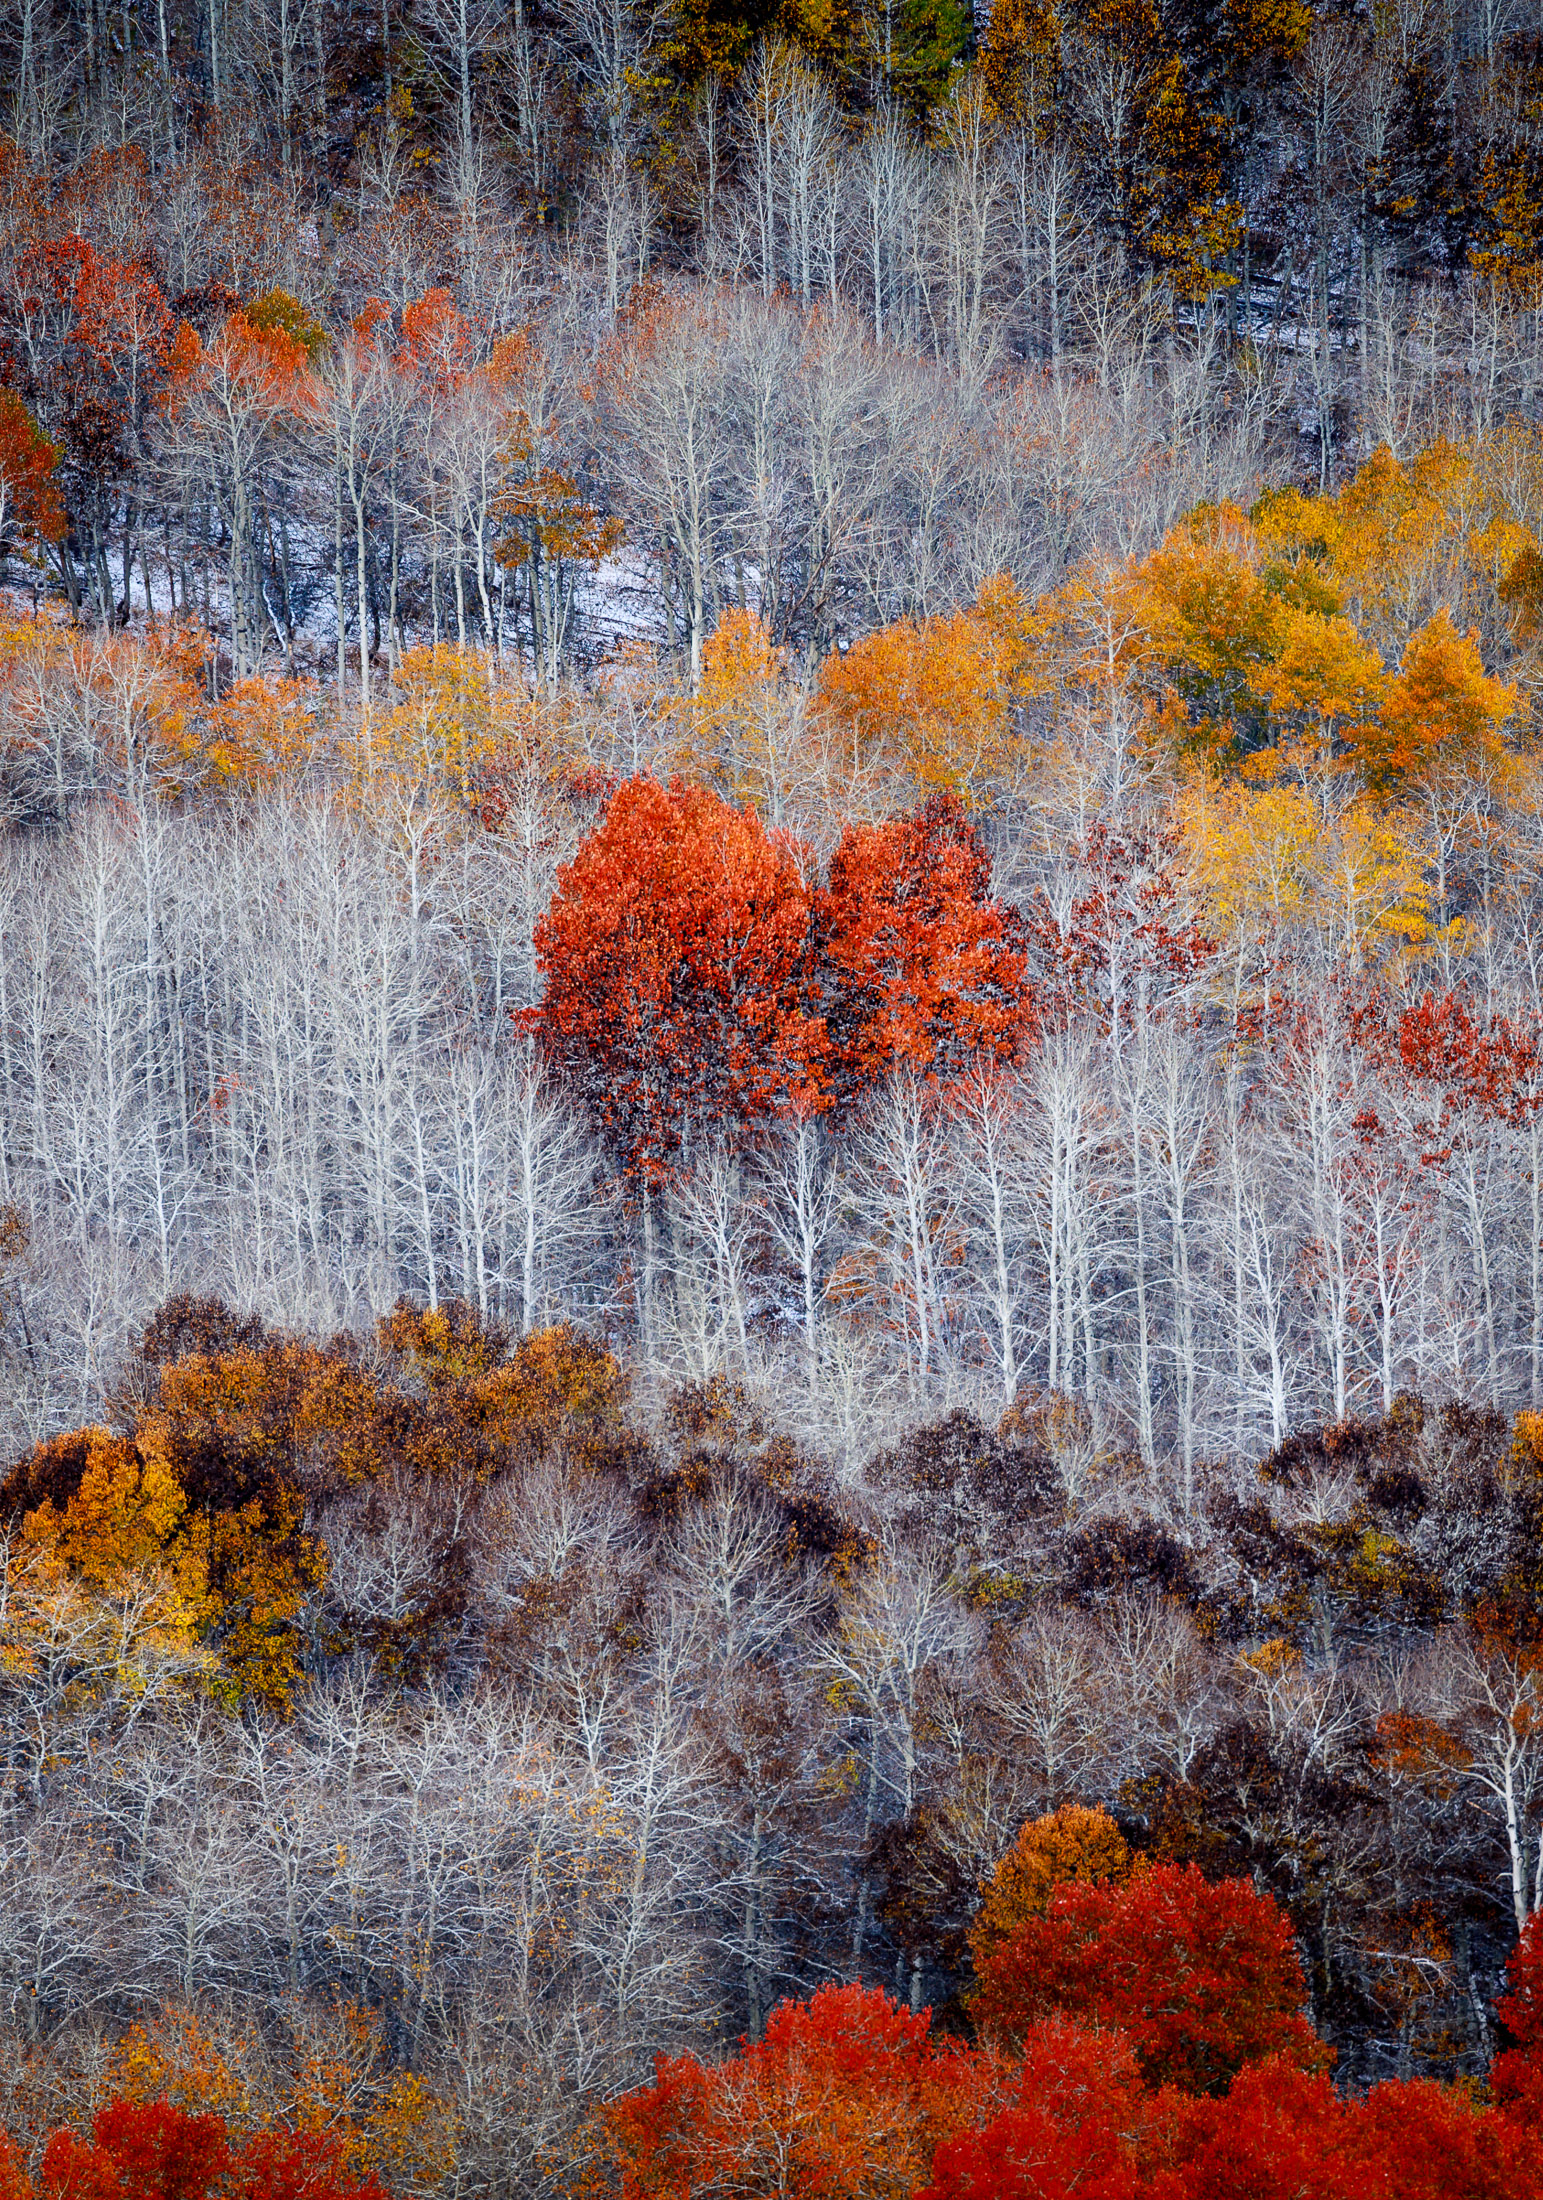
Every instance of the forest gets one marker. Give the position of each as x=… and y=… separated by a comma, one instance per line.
x=771, y=1100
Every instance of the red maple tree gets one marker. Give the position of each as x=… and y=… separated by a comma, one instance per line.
x=676, y=959
x=846, y=2093
x=1078, y=2123
x=1517, y=2073
x=153, y=2151
x=918, y=964
x=1203, y=1977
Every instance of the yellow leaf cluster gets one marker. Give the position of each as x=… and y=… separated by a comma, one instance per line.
x=1267, y=859
x=939, y=696
x=1404, y=540
x=128, y=1525
x=214, y=1591
x=332, y=2073
x=741, y=732
x=1319, y=641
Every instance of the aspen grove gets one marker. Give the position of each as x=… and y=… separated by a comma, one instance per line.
x=771, y=1100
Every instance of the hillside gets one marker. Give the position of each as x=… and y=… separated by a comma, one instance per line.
x=771, y=1099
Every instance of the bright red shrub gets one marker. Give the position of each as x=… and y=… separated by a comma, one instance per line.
x=15, y=2184
x=152, y=2151
x=297, y=2165
x=1078, y=2124
x=1423, y=2141
x=1521, y=2009
x=1517, y=2075
x=149, y=2150
x=1279, y=2134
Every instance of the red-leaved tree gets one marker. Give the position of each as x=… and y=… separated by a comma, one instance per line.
x=1079, y=2122
x=1126, y=945
x=850, y=2095
x=1083, y=2125
x=29, y=495
x=1279, y=2134
x=1517, y=2075
x=676, y=955
x=153, y=2151
x=92, y=347
x=1423, y=2141
x=918, y=966
x=846, y=2094
x=1203, y=1977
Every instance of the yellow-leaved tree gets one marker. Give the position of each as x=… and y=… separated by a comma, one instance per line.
x=1211, y=625
x=744, y=732
x=1320, y=688
x=939, y=695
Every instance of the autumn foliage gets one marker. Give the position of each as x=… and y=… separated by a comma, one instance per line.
x=1287, y=644
x=183, y=1549
x=1066, y=1846
x=919, y=966
x=1203, y=1977
x=29, y=499
x=153, y=2151
x=1076, y=2121
x=676, y=957
x=695, y=984
x=1517, y=2074
x=939, y=696
x=846, y=2093
x=850, y=2094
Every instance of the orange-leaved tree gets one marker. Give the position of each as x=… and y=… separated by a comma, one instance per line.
x=29, y=495
x=918, y=965
x=743, y=729
x=676, y=958
x=940, y=692
x=1210, y=621
x=1204, y=1977
x=1440, y=712
x=1323, y=686
x=92, y=347
x=1072, y=1843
